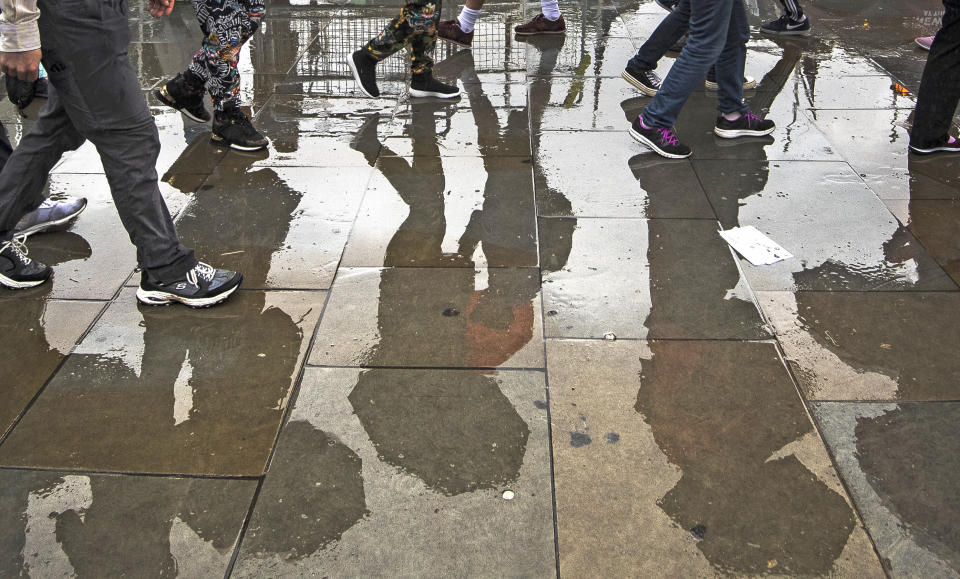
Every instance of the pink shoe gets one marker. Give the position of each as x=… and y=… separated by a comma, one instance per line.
x=925, y=42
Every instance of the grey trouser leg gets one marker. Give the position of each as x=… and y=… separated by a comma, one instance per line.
x=24, y=172
x=85, y=54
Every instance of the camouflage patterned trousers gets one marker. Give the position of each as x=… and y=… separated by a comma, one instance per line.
x=416, y=27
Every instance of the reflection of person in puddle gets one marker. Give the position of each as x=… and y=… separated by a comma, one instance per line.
x=455, y=430
x=96, y=526
x=748, y=510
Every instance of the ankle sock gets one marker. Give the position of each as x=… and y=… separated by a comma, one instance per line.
x=468, y=19
x=550, y=9
x=732, y=116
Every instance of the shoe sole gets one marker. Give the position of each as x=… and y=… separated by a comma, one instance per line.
x=51, y=225
x=638, y=85
x=564, y=31
x=15, y=285
x=920, y=151
x=736, y=133
x=917, y=42
x=641, y=139
x=452, y=41
x=221, y=141
x=173, y=105
x=714, y=86
x=156, y=298
x=356, y=77
x=427, y=94
x=786, y=32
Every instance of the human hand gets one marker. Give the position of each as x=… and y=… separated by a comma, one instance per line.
x=22, y=65
x=160, y=8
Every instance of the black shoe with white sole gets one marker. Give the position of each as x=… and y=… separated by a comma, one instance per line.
x=233, y=128
x=17, y=271
x=663, y=141
x=185, y=93
x=951, y=145
x=52, y=215
x=201, y=287
x=424, y=85
x=747, y=125
x=364, y=68
x=647, y=81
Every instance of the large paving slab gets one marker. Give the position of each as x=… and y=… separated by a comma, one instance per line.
x=140, y=394
x=869, y=345
x=900, y=463
x=678, y=458
x=58, y=524
x=406, y=473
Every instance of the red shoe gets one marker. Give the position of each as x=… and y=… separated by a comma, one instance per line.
x=450, y=31
x=540, y=25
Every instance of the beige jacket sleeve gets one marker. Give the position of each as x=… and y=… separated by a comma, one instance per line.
x=18, y=26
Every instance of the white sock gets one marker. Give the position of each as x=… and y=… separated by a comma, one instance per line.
x=468, y=19
x=550, y=9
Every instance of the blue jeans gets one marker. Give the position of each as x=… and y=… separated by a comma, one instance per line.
x=668, y=32
x=718, y=34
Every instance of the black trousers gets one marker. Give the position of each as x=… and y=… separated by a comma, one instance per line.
x=95, y=96
x=939, y=91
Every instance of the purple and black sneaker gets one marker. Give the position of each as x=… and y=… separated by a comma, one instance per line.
x=663, y=140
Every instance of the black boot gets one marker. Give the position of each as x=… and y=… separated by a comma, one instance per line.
x=364, y=69
x=424, y=85
x=232, y=127
x=185, y=94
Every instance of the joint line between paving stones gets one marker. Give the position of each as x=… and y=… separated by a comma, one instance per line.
x=459, y=368
x=83, y=471
x=546, y=375
x=43, y=387
x=243, y=530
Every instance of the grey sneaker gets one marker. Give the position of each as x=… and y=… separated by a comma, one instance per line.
x=52, y=215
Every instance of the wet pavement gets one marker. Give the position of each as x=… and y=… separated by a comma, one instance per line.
x=496, y=336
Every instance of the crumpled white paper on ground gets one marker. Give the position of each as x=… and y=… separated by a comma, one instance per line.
x=756, y=247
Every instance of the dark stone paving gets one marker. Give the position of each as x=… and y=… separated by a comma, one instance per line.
x=496, y=337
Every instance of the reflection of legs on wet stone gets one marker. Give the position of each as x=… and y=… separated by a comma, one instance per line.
x=416, y=29
x=939, y=89
x=97, y=97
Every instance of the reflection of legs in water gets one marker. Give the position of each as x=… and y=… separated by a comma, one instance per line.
x=416, y=29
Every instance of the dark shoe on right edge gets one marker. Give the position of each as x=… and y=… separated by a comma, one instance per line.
x=646, y=80
x=662, y=140
x=541, y=25
x=952, y=145
x=185, y=93
x=17, y=271
x=450, y=31
x=201, y=287
x=232, y=128
x=364, y=68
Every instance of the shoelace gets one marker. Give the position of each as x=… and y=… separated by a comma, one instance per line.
x=668, y=137
x=752, y=118
x=19, y=247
